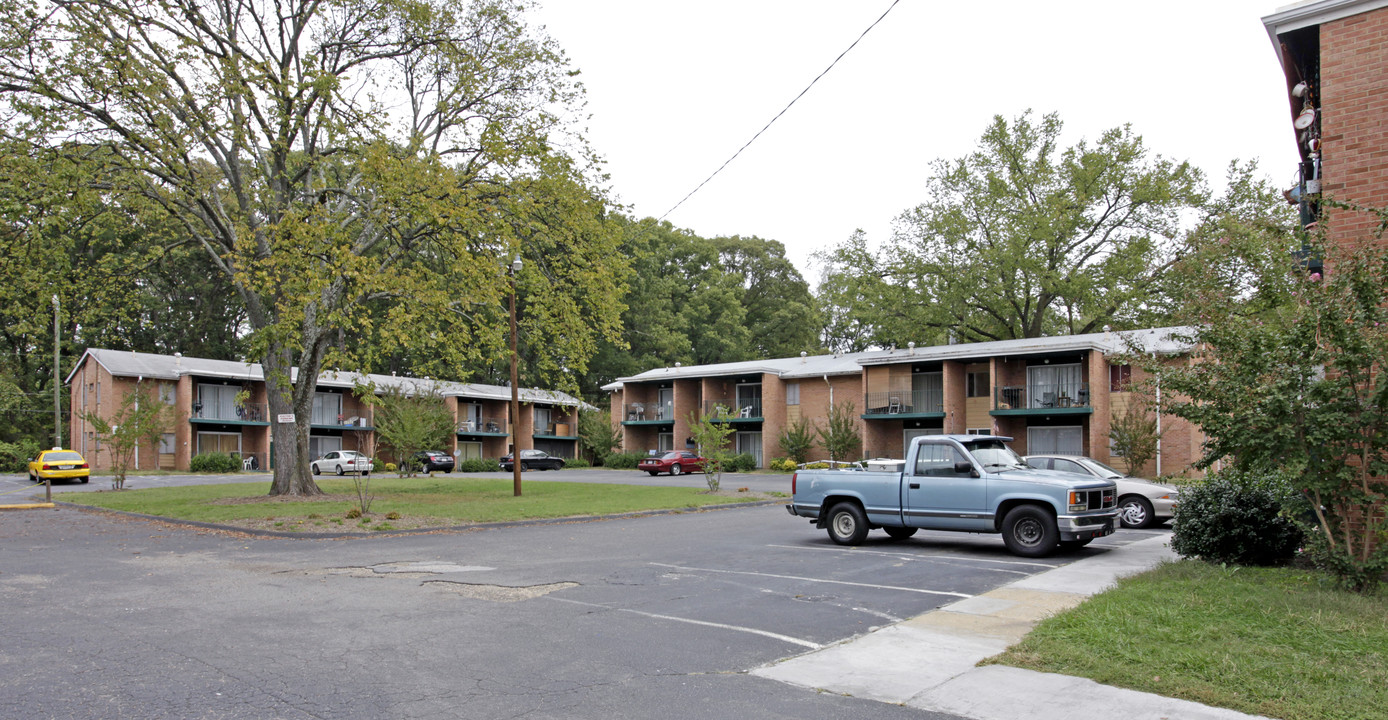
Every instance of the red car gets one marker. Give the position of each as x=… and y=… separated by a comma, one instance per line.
x=675, y=463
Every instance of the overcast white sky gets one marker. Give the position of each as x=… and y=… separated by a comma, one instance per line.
x=675, y=88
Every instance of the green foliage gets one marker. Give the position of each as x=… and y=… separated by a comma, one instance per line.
x=139, y=420
x=1134, y=433
x=598, y=434
x=783, y=465
x=1291, y=382
x=1235, y=518
x=391, y=467
x=1022, y=238
x=839, y=436
x=476, y=465
x=378, y=465
x=817, y=466
x=571, y=463
x=797, y=439
x=711, y=432
x=623, y=461
x=409, y=418
x=14, y=457
x=742, y=462
x=215, y=463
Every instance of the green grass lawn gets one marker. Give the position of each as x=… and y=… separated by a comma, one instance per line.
x=452, y=500
x=1268, y=641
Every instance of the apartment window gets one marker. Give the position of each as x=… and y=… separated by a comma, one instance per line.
x=980, y=431
x=976, y=384
x=1120, y=378
x=1059, y=440
x=793, y=393
x=327, y=409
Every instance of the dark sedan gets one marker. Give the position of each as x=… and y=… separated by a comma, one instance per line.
x=675, y=463
x=534, y=460
x=432, y=460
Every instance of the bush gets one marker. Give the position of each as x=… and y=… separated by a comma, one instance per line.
x=1235, y=518
x=390, y=467
x=743, y=462
x=623, y=461
x=783, y=465
x=472, y=465
x=215, y=463
x=378, y=465
x=576, y=463
x=817, y=466
x=14, y=457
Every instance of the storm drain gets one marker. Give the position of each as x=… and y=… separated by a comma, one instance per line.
x=498, y=593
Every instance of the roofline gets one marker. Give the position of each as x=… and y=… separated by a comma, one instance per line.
x=1306, y=14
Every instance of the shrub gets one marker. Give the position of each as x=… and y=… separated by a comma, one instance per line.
x=354, y=513
x=1235, y=518
x=783, y=465
x=743, y=462
x=817, y=466
x=14, y=457
x=623, y=461
x=392, y=515
x=378, y=465
x=472, y=465
x=576, y=463
x=215, y=463
x=390, y=467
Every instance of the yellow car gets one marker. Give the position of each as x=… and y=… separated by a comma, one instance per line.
x=59, y=464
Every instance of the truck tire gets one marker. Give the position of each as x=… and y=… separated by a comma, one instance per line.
x=1030, y=531
x=847, y=524
x=899, y=533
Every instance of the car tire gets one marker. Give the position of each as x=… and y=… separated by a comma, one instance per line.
x=652, y=473
x=35, y=478
x=676, y=470
x=1029, y=531
x=899, y=533
x=847, y=524
x=339, y=470
x=314, y=468
x=525, y=466
x=1135, y=511
x=85, y=478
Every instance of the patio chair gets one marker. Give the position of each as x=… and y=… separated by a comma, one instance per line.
x=1047, y=400
x=893, y=405
x=746, y=411
x=1082, y=398
x=492, y=427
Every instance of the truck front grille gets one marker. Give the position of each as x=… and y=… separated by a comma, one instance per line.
x=1100, y=499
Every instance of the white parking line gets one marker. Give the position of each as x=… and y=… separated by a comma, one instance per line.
x=705, y=623
x=908, y=556
x=816, y=580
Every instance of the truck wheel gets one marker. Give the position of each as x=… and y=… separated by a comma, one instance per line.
x=847, y=524
x=899, y=533
x=1135, y=511
x=1029, y=531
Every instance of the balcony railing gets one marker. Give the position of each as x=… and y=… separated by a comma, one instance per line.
x=737, y=409
x=486, y=425
x=245, y=412
x=642, y=411
x=1042, y=397
x=562, y=429
x=904, y=402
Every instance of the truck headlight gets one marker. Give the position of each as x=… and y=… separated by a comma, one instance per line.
x=1078, y=501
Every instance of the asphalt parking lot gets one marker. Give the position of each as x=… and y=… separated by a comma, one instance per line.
x=636, y=617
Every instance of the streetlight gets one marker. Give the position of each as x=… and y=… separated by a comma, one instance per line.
x=515, y=386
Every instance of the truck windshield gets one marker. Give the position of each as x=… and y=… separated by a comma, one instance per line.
x=993, y=453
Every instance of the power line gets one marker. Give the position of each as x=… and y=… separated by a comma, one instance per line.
x=783, y=110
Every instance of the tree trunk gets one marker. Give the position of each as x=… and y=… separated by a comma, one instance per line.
x=292, y=475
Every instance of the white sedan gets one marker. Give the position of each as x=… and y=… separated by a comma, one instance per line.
x=342, y=462
x=1141, y=503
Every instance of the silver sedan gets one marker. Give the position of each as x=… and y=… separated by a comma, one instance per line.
x=1141, y=503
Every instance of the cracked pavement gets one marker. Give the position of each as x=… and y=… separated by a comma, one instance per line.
x=111, y=617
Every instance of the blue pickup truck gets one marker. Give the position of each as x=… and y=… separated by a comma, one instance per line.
x=966, y=483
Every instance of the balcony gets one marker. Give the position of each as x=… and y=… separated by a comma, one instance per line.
x=1060, y=399
x=229, y=413
x=326, y=421
x=557, y=431
x=484, y=427
x=649, y=413
x=743, y=410
x=898, y=404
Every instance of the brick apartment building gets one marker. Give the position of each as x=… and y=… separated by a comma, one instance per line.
x=1054, y=394
x=1334, y=54
x=221, y=406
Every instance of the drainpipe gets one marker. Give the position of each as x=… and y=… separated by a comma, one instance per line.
x=831, y=390
x=138, y=379
x=1154, y=357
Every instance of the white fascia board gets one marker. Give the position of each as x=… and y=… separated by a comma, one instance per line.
x=1313, y=12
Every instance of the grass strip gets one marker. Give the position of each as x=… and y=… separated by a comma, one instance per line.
x=452, y=500
x=1278, y=642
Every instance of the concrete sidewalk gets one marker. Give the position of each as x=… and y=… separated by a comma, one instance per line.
x=928, y=662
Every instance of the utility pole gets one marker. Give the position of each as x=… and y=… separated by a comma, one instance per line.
x=57, y=382
x=515, y=387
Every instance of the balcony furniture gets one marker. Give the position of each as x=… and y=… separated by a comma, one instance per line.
x=1047, y=400
x=746, y=411
x=636, y=411
x=1063, y=401
x=492, y=427
x=467, y=426
x=894, y=405
x=1082, y=398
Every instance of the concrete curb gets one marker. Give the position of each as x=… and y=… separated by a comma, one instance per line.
x=28, y=506
x=416, y=531
x=930, y=662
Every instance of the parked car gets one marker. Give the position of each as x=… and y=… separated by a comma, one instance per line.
x=342, y=462
x=533, y=460
x=675, y=463
x=1141, y=503
x=431, y=460
x=59, y=464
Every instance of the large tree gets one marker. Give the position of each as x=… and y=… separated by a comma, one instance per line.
x=328, y=157
x=1022, y=238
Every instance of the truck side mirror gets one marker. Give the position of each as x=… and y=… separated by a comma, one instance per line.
x=964, y=467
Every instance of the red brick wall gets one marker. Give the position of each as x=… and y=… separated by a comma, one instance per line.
x=1354, y=104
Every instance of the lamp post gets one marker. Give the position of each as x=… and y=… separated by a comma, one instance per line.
x=515, y=387
x=57, y=382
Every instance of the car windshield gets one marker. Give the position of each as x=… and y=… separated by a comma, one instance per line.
x=62, y=457
x=993, y=453
x=1103, y=469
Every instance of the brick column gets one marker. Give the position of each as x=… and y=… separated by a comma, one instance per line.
x=773, y=413
x=1099, y=422
x=956, y=415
